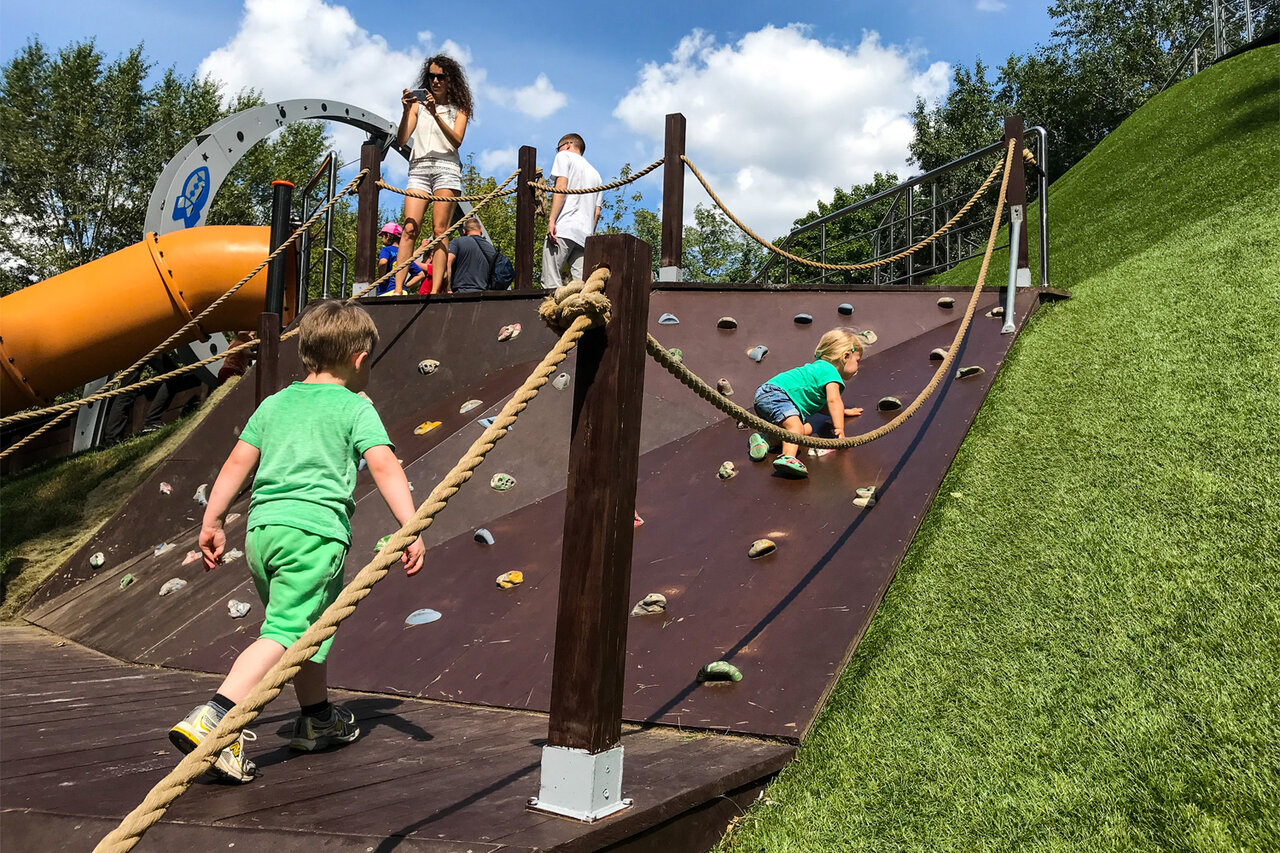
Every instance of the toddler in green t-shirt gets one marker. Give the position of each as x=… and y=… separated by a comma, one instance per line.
x=306, y=443
x=792, y=397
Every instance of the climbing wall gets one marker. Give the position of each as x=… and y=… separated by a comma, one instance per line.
x=788, y=620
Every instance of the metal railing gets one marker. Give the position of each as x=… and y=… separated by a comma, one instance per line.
x=328, y=174
x=907, y=213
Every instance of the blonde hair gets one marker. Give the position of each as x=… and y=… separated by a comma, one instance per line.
x=835, y=343
x=331, y=332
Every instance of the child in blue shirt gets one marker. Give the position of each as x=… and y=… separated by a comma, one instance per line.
x=792, y=397
x=387, y=257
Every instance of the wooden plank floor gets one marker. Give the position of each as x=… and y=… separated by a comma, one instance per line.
x=83, y=738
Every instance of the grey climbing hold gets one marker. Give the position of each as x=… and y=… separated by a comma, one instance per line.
x=125, y=581
x=946, y=302
x=998, y=311
x=501, y=482
x=232, y=555
x=757, y=353
x=726, y=323
x=845, y=308
x=761, y=548
x=468, y=406
x=724, y=387
x=561, y=382
x=97, y=559
x=804, y=319
x=428, y=366
x=162, y=548
x=727, y=471
x=889, y=404
x=865, y=492
x=668, y=320
x=422, y=617
x=938, y=354
x=361, y=465
x=483, y=535
x=166, y=489
x=868, y=337
x=202, y=494
x=971, y=370
x=238, y=609
x=719, y=671
x=654, y=602
x=172, y=585
x=864, y=503
x=677, y=355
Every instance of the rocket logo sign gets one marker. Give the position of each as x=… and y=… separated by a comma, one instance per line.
x=195, y=192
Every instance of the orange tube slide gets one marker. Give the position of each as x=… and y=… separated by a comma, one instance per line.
x=105, y=315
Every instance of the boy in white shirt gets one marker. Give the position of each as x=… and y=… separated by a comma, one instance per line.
x=573, y=218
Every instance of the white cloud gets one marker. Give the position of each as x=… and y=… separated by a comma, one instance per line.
x=499, y=163
x=992, y=5
x=778, y=119
x=537, y=101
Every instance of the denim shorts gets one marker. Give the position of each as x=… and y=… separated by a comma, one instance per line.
x=431, y=174
x=773, y=404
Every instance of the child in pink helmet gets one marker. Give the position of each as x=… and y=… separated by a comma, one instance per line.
x=387, y=256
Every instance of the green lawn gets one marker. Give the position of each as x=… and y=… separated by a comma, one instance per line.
x=1081, y=650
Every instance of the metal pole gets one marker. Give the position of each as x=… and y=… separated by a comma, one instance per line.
x=328, y=219
x=911, y=210
x=1015, y=230
x=1042, y=183
x=1248, y=22
x=281, y=201
x=1218, y=48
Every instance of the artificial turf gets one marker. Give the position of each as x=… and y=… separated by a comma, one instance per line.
x=1081, y=650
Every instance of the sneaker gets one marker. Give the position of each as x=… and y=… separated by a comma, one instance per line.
x=758, y=447
x=231, y=763
x=313, y=733
x=789, y=466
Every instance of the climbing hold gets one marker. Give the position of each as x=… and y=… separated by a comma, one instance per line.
x=998, y=311
x=726, y=323
x=125, y=581
x=506, y=580
x=804, y=319
x=422, y=617
x=820, y=451
x=202, y=494
x=425, y=427
x=845, y=308
x=761, y=548
x=509, y=332
x=234, y=515
x=238, y=609
x=865, y=503
x=727, y=471
x=639, y=521
x=501, y=482
x=971, y=370
x=172, y=585
x=654, y=602
x=428, y=366
x=757, y=353
x=889, y=404
x=946, y=302
x=484, y=536
x=191, y=557
x=166, y=489
x=865, y=492
x=361, y=465
x=561, y=382
x=719, y=671
x=677, y=355
x=468, y=406
x=232, y=555
x=365, y=395
x=97, y=560
x=162, y=548
x=668, y=320
x=938, y=354
x=724, y=387
x=868, y=336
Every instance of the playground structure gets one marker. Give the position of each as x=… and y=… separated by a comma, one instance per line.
x=788, y=621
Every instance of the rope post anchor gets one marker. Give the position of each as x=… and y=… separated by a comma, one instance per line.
x=582, y=761
x=1015, y=272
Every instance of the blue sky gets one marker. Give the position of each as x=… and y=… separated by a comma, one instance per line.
x=782, y=102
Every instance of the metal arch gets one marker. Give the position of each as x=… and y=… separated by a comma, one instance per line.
x=183, y=194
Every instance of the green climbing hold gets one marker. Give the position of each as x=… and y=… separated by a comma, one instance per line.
x=501, y=482
x=125, y=581
x=719, y=671
x=382, y=543
x=971, y=370
x=889, y=404
x=677, y=355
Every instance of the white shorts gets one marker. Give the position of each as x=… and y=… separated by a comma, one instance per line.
x=431, y=174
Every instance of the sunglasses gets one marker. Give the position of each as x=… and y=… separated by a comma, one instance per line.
x=431, y=78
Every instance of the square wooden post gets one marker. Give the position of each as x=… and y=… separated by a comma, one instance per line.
x=673, y=201
x=367, y=214
x=526, y=202
x=582, y=762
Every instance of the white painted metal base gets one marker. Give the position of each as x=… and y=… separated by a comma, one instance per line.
x=1023, y=277
x=580, y=785
x=670, y=274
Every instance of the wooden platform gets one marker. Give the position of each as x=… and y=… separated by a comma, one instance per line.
x=83, y=738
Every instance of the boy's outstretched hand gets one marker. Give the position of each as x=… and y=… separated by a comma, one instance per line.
x=412, y=557
x=213, y=541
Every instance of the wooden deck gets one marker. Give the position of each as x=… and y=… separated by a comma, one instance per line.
x=83, y=738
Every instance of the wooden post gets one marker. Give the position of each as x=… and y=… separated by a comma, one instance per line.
x=526, y=201
x=267, y=368
x=582, y=762
x=1016, y=193
x=672, y=201
x=367, y=213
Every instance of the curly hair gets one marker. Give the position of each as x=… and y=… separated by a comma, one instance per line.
x=457, y=91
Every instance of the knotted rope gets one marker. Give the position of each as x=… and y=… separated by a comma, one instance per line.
x=574, y=300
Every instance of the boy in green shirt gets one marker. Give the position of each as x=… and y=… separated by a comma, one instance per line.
x=306, y=442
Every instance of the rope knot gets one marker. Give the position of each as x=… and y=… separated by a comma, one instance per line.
x=577, y=299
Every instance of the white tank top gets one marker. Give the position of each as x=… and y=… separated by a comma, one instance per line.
x=429, y=140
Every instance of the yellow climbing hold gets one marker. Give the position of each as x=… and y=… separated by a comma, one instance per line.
x=424, y=428
x=507, y=580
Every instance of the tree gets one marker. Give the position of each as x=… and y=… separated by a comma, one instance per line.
x=849, y=239
x=714, y=249
x=971, y=117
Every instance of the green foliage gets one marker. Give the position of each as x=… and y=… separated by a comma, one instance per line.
x=715, y=250
x=848, y=238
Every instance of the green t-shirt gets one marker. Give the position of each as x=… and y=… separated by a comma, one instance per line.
x=311, y=436
x=806, y=385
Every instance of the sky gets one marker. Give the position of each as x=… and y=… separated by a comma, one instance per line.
x=782, y=103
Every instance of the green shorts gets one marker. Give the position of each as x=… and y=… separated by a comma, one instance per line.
x=297, y=574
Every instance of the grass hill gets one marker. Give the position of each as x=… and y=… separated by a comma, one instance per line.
x=1082, y=648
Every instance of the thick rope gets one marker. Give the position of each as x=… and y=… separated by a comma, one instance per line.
x=426, y=196
x=194, y=322
x=778, y=250
x=621, y=182
x=191, y=767
x=711, y=395
x=560, y=309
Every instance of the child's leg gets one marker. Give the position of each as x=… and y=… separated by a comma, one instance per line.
x=413, y=210
x=794, y=424
x=311, y=684
x=249, y=668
